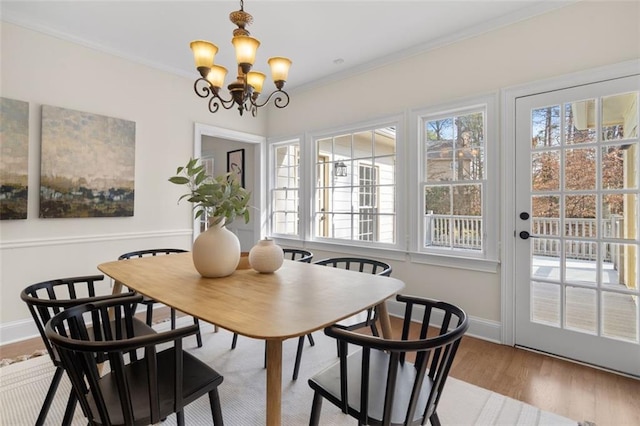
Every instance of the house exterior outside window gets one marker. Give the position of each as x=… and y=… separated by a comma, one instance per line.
x=355, y=186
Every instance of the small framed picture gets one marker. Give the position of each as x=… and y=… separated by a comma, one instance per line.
x=235, y=164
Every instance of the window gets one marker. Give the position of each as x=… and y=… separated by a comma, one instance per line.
x=454, y=182
x=285, y=218
x=355, y=186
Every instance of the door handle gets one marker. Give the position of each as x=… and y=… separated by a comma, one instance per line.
x=525, y=235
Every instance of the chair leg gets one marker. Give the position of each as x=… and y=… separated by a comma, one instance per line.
x=234, y=341
x=173, y=319
x=180, y=418
x=55, y=381
x=435, y=421
x=198, y=335
x=311, y=341
x=149, y=315
x=374, y=329
x=315, y=409
x=296, y=367
x=71, y=408
x=216, y=410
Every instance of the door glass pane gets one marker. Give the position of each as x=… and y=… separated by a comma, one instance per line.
x=579, y=213
x=546, y=266
x=545, y=171
x=619, y=265
x=545, y=303
x=580, y=169
x=580, y=121
x=580, y=261
x=619, y=316
x=613, y=168
x=618, y=216
x=620, y=116
x=545, y=127
x=580, y=309
x=546, y=214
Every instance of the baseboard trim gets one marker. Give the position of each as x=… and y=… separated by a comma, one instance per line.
x=478, y=327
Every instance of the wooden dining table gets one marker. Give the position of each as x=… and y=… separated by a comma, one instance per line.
x=297, y=299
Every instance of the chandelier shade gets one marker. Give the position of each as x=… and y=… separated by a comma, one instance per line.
x=204, y=53
x=248, y=85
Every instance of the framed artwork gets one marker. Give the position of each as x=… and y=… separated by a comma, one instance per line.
x=14, y=158
x=87, y=165
x=235, y=164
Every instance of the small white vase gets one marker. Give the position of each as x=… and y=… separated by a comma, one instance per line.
x=266, y=256
x=216, y=252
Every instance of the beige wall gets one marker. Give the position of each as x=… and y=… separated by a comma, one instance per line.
x=45, y=70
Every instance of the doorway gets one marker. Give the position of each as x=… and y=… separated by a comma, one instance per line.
x=214, y=143
x=577, y=238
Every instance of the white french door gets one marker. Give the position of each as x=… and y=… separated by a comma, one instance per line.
x=577, y=223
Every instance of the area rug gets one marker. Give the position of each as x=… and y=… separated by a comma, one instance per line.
x=23, y=386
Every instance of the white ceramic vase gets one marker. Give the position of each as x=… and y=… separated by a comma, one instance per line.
x=266, y=256
x=216, y=252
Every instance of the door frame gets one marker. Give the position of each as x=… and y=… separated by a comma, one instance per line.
x=507, y=173
x=259, y=185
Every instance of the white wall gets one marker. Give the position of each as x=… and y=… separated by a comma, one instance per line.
x=43, y=70
x=577, y=37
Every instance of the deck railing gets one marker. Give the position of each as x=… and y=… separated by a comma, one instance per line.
x=466, y=232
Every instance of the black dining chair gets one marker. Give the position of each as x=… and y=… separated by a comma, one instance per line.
x=368, y=318
x=133, y=391
x=48, y=298
x=147, y=301
x=377, y=384
x=298, y=255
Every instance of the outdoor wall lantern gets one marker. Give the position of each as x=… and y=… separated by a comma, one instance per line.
x=340, y=169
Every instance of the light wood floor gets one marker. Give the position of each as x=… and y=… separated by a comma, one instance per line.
x=569, y=389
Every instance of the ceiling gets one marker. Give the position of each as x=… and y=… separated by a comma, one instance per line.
x=325, y=39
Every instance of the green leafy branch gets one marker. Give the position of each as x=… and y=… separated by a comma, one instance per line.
x=218, y=198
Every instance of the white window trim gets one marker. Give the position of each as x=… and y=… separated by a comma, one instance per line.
x=487, y=260
x=398, y=122
x=272, y=144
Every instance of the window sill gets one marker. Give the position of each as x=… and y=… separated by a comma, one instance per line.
x=458, y=262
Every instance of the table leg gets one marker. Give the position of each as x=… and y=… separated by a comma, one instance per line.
x=274, y=382
x=385, y=322
x=117, y=287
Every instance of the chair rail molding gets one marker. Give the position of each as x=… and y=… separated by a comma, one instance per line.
x=89, y=239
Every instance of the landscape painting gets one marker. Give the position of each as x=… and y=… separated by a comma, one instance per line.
x=87, y=165
x=14, y=158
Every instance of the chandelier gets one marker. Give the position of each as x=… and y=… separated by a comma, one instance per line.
x=247, y=87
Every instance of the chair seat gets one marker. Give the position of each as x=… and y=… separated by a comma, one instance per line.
x=197, y=376
x=327, y=383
